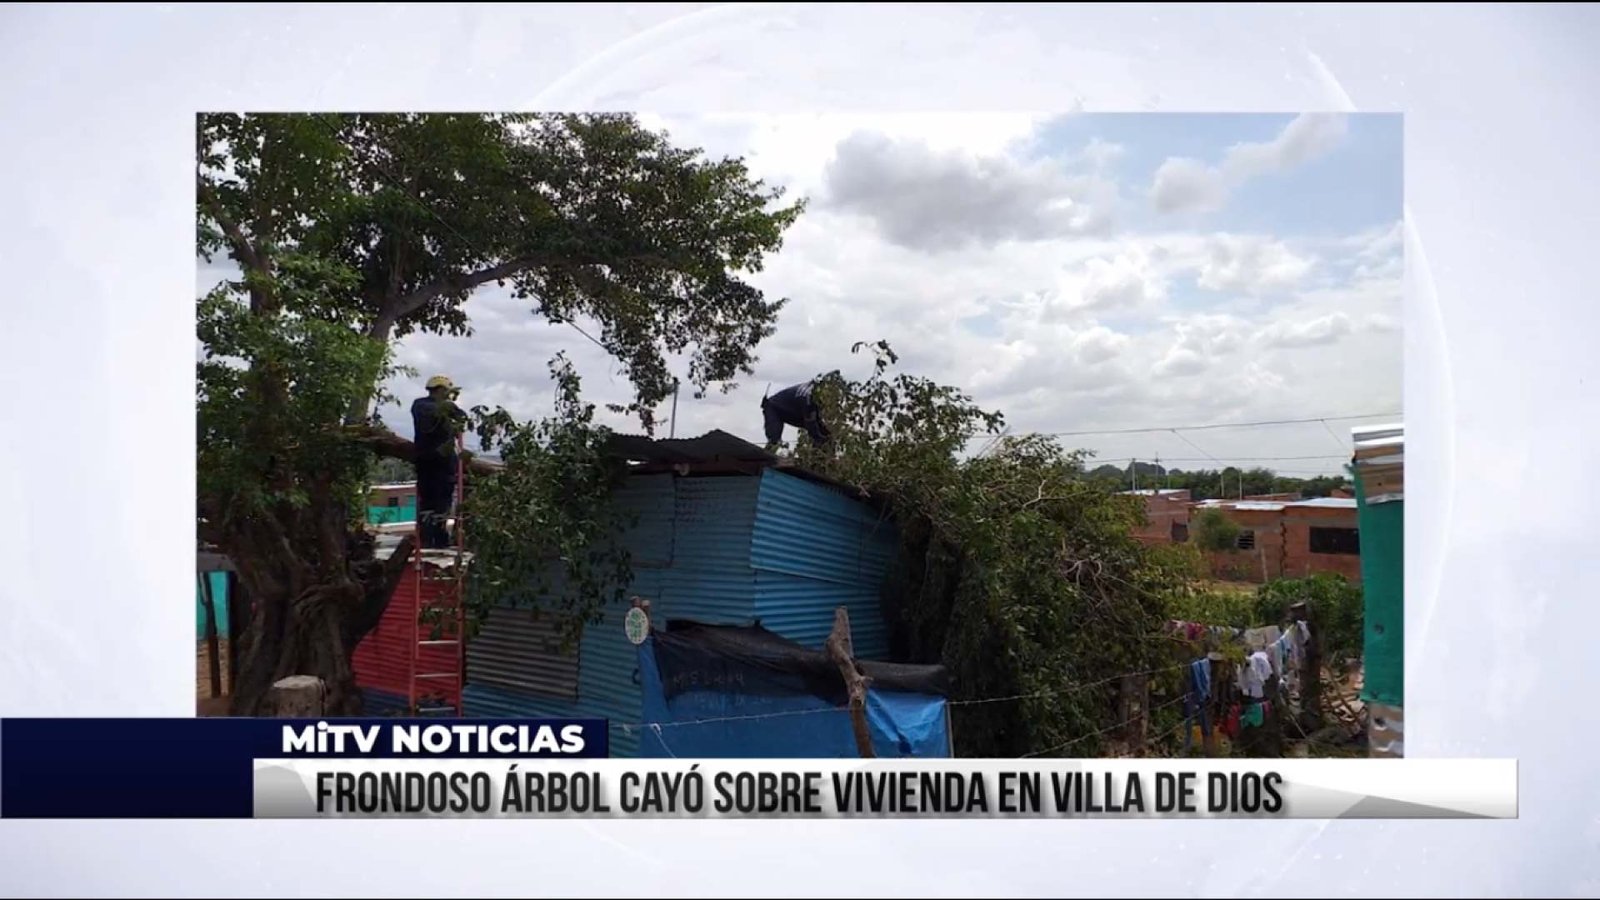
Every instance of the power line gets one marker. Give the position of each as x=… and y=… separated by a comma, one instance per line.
x=1208, y=427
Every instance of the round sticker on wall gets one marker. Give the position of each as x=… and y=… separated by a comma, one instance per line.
x=637, y=624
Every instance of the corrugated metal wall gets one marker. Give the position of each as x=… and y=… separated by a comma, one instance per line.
x=716, y=549
x=814, y=549
x=382, y=660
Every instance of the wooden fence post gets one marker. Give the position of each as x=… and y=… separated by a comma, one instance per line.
x=1311, y=669
x=842, y=652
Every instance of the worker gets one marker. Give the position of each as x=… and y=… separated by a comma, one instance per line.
x=438, y=422
x=796, y=406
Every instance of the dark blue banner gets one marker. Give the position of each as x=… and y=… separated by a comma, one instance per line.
x=203, y=768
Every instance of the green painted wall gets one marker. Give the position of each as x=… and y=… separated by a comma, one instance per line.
x=1383, y=576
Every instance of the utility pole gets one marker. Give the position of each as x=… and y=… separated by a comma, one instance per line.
x=1133, y=473
x=672, y=428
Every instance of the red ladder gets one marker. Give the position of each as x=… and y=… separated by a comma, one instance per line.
x=431, y=594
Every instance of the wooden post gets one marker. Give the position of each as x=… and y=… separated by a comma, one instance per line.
x=298, y=697
x=1311, y=674
x=213, y=651
x=842, y=652
x=237, y=611
x=1135, y=691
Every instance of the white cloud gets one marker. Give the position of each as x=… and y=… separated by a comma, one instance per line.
x=1188, y=185
x=1250, y=265
x=1309, y=333
x=927, y=199
x=1097, y=345
x=1181, y=360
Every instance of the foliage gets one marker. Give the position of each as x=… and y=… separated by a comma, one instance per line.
x=1015, y=573
x=1214, y=605
x=1211, y=484
x=1337, y=608
x=1179, y=562
x=350, y=231
x=544, y=530
x=1213, y=531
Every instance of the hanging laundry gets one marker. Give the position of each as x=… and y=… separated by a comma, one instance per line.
x=1262, y=667
x=1252, y=676
x=1253, y=715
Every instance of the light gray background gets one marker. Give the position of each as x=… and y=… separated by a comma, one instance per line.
x=96, y=460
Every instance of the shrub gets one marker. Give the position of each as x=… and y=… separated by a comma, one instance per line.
x=1214, y=532
x=1337, y=610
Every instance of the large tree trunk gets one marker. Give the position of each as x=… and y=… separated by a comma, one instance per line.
x=304, y=625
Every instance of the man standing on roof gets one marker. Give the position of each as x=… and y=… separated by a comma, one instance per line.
x=437, y=420
x=795, y=406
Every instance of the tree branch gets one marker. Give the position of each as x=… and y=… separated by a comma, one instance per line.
x=236, y=238
x=397, y=308
x=386, y=443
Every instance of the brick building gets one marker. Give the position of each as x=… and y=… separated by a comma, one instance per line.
x=1166, y=515
x=1288, y=539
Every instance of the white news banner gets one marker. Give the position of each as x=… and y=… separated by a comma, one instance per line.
x=834, y=789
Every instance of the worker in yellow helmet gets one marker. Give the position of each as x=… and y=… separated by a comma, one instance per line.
x=438, y=421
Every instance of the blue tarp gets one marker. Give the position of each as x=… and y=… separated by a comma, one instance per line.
x=776, y=724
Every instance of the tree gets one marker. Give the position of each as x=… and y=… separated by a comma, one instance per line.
x=352, y=231
x=1214, y=531
x=1016, y=573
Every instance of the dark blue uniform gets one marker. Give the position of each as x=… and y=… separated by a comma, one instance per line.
x=436, y=422
x=795, y=406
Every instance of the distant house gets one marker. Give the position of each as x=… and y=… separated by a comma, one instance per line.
x=1293, y=539
x=1166, y=515
x=388, y=503
x=724, y=535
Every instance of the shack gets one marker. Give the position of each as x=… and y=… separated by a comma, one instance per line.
x=723, y=534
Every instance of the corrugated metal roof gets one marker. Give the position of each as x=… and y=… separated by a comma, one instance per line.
x=1378, y=435
x=709, y=447
x=1328, y=502
x=1249, y=505
x=1157, y=492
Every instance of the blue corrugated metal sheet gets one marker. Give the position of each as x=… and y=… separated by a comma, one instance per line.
x=801, y=609
x=648, y=501
x=723, y=550
x=710, y=579
x=814, y=549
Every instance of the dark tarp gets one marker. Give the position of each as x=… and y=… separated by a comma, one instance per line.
x=751, y=660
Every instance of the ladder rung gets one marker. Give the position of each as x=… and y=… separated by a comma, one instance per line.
x=437, y=675
x=440, y=643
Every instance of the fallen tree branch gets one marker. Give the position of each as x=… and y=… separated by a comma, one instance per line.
x=842, y=652
x=386, y=443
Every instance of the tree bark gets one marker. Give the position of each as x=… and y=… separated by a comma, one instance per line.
x=841, y=650
x=307, y=624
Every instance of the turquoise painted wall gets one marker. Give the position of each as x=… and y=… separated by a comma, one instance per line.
x=384, y=515
x=219, y=593
x=1383, y=578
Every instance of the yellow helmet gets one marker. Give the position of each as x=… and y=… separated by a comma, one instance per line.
x=441, y=381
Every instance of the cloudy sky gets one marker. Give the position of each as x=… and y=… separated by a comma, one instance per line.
x=1079, y=273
